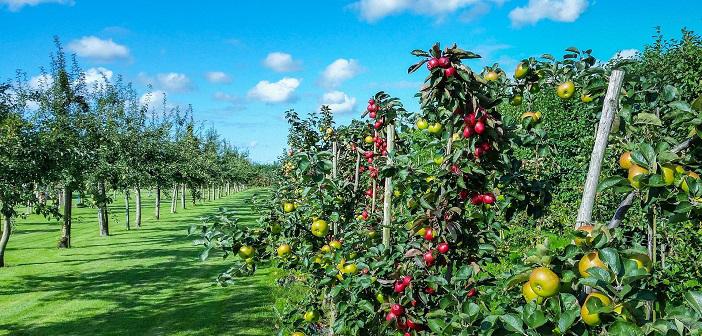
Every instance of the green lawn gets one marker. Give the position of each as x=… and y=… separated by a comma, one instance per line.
x=138, y=282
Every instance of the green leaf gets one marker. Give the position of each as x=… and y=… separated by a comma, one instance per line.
x=694, y=299
x=681, y=105
x=669, y=92
x=512, y=323
x=644, y=118
x=611, y=182
x=623, y=328
x=611, y=258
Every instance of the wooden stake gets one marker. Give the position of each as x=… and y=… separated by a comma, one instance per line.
x=609, y=109
x=387, y=198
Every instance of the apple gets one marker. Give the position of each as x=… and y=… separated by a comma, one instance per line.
x=422, y=123
x=521, y=70
x=469, y=119
x=397, y=309
x=472, y=292
x=429, y=258
x=492, y=76
x=479, y=127
x=399, y=287
x=368, y=139
x=433, y=63
x=371, y=101
x=429, y=290
x=320, y=228
x=372, y=108
x=335, y=244
x=390, y=317
x=435, y=128
x=428, y=233
x=586, y=98
x=284, y=250
x=311, y=316
x=478, y=152
x=488, y=199
x=288, y=207
x=544, y=282
x=449, y=72
x=364, y=214
x=467, y=132
x=516, y=100
x=406, y=280
x=444, y=62
x=372, y=115
x=565, y=90
x=246, y=252
x=635, y=171
x=443, y=248
x=439, y=160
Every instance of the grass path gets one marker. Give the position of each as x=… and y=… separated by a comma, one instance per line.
x=138, y=282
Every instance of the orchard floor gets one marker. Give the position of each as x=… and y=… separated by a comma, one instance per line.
x=146, y=281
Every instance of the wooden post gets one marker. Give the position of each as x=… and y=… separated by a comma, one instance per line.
x=335, y=226
x=609, y=109
x=375, y=185
x=387, y=198
x=358, y=166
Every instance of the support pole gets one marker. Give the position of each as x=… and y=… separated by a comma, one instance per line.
x=609, y=109
x=387, y=198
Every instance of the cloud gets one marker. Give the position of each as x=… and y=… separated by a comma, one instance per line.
x=340, y=71
x=97, y=76
x=253, y=144
x=278, y=92
x=281, y=62
x=626, y=54
x=170, y=81
x=374, y=10
x=16, y=5
x=556, y=10
x=338, y=101
x=40, y=82
x=98, y=49
x=153, y=99
x=218, y=77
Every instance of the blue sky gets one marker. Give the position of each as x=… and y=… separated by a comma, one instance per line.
x=242, y=64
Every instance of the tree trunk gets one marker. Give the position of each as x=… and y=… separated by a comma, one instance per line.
x=158, y=202
x=103, y=220
x=126, y=209
x=387, y=198
x=6, y=227
x=65, y=241
x=59, y=198
x=182, y=196
x=137, y=219
x=174, y=198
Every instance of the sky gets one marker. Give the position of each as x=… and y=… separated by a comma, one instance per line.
x=242, y=64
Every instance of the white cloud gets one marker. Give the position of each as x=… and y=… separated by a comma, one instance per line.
x=98, y=49
x=374, y=10
x=173, y=81
x=556, y=10
x=16, y=5
x=97, y=76
x=253, y=144
x=40, y=82
x=277, y=92
x=339, y=71
x=281, y=62
x=338, y=101
x=627, y=54
x=218, y=77
x=153, y=99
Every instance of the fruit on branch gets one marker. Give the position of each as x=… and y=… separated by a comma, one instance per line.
x=390, y=317
x=544, y=282
x=429, y=258
x=443, y=248
x=516, y=100
x=449, y=72
x=288, y=207
x=668, y=172
x=373, y=108
x=588, y=261
x=492, y=76
x=594, y=318
x=467, y=132
x=625, y=160
x=566, y=90
x=364, y=214
x=635, y=171
x=335, y=244
x=397, y=309
x=455, y=170
x=311, y=316
x=371, y=101
x=439, y=160
x=284, y=250
x=530, y=295
x=488, y=198
x=329, y=131
x=297, y=333
x=372, y=115
x=429, y=290
x=533, y=116
x=406, y=280
x=479, y=127
x=428, y=233
x=368, y=139
x=469, y=119
x=422, y=123
x=444, y=62
x=690, y=175
x=472, y=292
x=378, y=124
x=399, y=287
x=580, y=241
x=350, y=269
x=326, y=249
x=246, y=252
x=320, y=228
x=432, y=63
x=372, y=234
x=521, y=70
x=435, y=128
x=586, y=98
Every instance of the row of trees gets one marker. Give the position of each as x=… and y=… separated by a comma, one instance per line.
x=63, y=134
x=464, y=192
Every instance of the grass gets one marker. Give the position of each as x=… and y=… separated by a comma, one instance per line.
x=138, y=282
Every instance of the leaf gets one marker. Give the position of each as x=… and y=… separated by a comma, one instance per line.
x=681, y=105
x=610, y=257
x=205, y=254
x=611, y=182
x=623, y=328
x=644, y=118
x=512, y=323
x=420, y=53
x=694, y=299
x=517, y=279
x=436, y=325
x=669, y=92
x=416, y=66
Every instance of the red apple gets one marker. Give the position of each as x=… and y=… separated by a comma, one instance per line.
x=429, y=258
x=479, y=127
x=406, y=280
x=469, y=119
x=372, y=115
x=449, y=72
x=397, y=309
x=443, y=248
x=433, y=63
x=467, y=132
x=390, y=317
x=444, y=62
x=472, y=292
x=488, y=199
x=399, y=287
x=428, y=234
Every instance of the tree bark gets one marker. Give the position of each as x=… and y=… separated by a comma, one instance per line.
x=103, y=220
x=6, y=228
x=174, y=198
x=182, y=196
x=609, y=109
x=158, y=202
x=126, y=209
x=137, y=219
x=65, y=241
